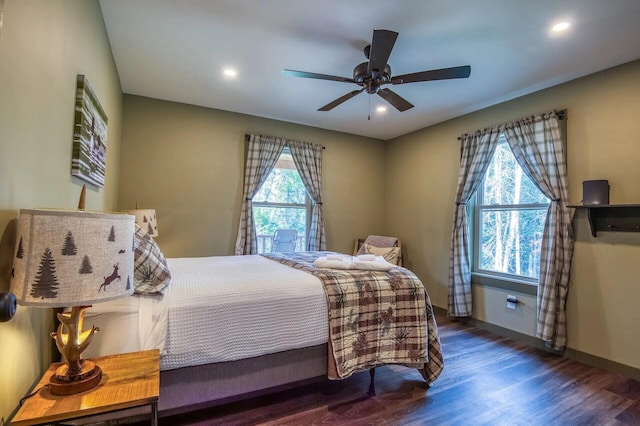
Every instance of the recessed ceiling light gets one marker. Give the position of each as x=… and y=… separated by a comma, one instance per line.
x=230, y=72
x=381, y=108
x=560, y=26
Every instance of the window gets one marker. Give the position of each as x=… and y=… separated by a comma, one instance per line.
x=509, y=218
x=281, y=203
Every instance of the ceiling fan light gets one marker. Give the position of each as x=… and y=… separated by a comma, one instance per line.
x=561, y=26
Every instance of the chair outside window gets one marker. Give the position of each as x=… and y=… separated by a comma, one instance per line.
x=284, y=240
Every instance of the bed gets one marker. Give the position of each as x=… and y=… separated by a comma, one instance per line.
x=231, y=327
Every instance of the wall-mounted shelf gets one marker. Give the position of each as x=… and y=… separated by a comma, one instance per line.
x=612, y=217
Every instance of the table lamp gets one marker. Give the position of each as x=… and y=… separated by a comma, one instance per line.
x=146, y=219
x=72, y=259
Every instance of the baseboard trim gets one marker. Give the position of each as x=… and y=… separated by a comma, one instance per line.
x=603, y=363
x=439, y=311
x=573, y=354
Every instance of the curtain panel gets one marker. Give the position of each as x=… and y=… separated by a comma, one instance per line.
x=308, y=160
x=262, y=155
x=537, y=144
x=476, y=151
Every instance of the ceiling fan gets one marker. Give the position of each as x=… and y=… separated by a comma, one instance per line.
x=375, y=73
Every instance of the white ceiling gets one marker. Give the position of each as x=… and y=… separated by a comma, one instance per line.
x=176, y=50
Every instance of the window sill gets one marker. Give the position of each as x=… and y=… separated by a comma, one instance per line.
x=503, y=283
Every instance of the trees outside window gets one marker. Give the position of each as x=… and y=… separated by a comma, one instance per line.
x=509, y=217
x=281, y=203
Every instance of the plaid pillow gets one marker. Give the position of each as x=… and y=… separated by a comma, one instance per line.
x=151, y=274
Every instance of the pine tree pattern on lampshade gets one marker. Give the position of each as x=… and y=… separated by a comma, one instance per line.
x=61, y=260
x=86, y=267
x=20, y=252
x=46, y=282
x=69, y=247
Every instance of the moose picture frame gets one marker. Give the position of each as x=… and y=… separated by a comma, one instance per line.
x=89, y=154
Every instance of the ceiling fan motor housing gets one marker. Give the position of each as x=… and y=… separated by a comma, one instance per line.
x=371, y=82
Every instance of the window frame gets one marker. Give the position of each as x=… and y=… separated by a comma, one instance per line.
x=502, y=280
x=307, y=205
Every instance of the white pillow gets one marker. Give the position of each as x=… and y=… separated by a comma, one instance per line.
x=390, y=254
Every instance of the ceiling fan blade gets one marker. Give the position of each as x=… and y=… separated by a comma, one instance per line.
x=441, y=74
x=333, y=104
x=304, y=74
x=381, y=45
x=398, y=102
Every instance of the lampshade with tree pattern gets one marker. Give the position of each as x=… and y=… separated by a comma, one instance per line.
x=146, y=219
x=72, y=258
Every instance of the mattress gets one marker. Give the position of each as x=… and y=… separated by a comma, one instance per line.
x=216, y=309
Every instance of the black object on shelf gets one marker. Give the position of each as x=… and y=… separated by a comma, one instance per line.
x=595, y=192
x=612, y=217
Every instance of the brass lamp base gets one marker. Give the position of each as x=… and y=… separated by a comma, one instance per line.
x=63, y=384
x=77, y=374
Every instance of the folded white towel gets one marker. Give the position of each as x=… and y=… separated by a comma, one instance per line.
x=335, y=257
x=368, y=262
x=324, y=262
x=367, y=257
x=379, y=264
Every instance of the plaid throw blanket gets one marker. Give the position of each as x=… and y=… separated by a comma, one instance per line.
x=375, y=318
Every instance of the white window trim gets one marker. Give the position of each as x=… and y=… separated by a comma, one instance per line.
x=491, y=278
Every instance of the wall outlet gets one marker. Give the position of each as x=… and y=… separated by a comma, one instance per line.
x=512, y=301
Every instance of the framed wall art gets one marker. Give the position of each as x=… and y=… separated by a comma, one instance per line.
x=89, y=154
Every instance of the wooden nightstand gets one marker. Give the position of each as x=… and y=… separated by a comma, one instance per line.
x=128, y=381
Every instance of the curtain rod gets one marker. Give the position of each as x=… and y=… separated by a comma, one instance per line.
x=246, y=139
x=560, y=115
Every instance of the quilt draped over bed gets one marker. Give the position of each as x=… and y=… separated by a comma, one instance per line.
x=375, y=318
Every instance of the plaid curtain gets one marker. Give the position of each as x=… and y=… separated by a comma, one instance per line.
x=476, y=151
x=537, y=144
x=308, y=160
x=262, y=155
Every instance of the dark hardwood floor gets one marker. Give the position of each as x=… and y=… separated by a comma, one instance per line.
x=487, y=380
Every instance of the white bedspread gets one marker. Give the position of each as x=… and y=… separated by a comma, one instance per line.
x=216, y=309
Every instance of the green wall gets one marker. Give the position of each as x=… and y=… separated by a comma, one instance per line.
x=43, y=46
x=187, y=162
x=603, y=127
